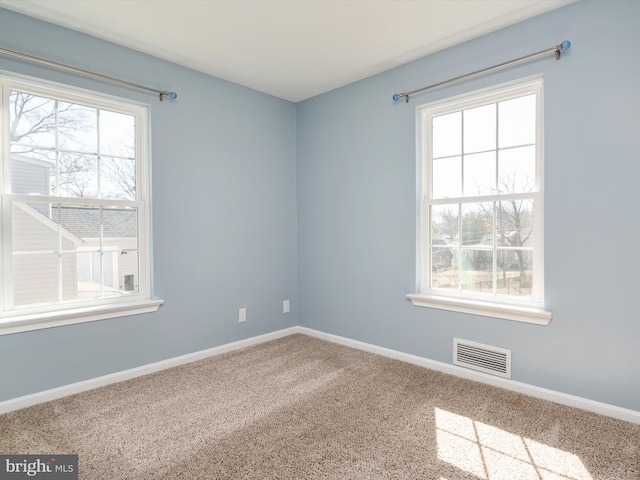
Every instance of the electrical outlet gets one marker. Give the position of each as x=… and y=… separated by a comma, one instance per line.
x=242, y=315
x=286, y=306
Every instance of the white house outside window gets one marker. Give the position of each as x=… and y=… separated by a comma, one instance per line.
x=75, y=239
x=481, y=203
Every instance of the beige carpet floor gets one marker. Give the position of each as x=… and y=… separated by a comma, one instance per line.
x=303, y=408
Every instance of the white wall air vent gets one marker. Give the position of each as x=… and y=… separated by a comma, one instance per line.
x=484, y=358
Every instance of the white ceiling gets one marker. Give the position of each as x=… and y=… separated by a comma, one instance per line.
x=293, y=49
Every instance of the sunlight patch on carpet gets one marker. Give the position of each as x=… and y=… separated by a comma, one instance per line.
x=491, y=453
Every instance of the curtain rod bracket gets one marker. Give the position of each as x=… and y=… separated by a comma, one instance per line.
x=558, y=49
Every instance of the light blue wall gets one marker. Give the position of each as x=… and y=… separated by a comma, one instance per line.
x=224, y=215
x=357, y=205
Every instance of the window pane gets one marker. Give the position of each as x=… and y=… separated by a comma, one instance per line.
x=35, y=278
x=447, y=135
x=444, y=238
x=128, y=271
x=83, y=222
x=480, y=174
x=477, y=224
x=517, y=170
x=514, y=225
x=77, y=128
x=480, y=129
x=71, y=287
x=78, y=176
x=34, y=228
x=117, y=134
x=444, y=224
x=447, y=177
x=88, y=274
x=37, y=237
x=517, y=121
x=120, y=226
x=477, y=271
x=118, y=178
x=441, y=257
x=444, y=271
x=515, y=273
x=110, y=272
x=32, y=171
x=32, y=120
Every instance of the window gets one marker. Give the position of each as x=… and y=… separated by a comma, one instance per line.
x=75, y=239
x=480, y=210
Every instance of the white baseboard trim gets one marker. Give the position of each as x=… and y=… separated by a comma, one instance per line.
x=620, y=413
x=64, y=391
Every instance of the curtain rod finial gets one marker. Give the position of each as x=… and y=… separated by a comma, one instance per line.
x=566, y=45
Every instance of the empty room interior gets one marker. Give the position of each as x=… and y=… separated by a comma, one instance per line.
x=323, y=239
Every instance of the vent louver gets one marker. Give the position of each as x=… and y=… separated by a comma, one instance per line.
x=484, y=358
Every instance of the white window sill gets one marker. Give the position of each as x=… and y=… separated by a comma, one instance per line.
x=533, y=315
x=37, y=321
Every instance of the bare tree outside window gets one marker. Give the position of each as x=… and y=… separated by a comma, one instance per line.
x=91, y=151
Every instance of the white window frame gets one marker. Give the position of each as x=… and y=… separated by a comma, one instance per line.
x=527, y=309
x=14, y=319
